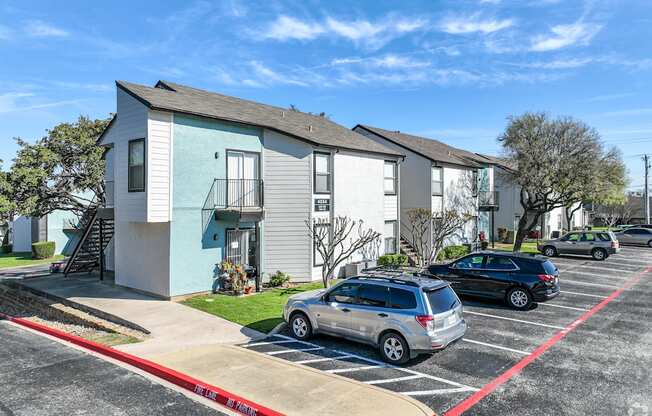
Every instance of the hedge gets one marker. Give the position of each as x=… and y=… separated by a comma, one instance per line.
x=393, y=260
x=453, y=252
x=43, y=250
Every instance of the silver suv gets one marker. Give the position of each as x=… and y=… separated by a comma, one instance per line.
x=598, y=244
x=403, y=316
x=636, y=235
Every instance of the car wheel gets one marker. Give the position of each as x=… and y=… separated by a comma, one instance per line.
x=649, y=243
x=599, y=254
x=519, y=298
x=549, y=251
x=394, y=348
x=300, y=326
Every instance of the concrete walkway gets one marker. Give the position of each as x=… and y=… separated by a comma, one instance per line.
x=286, y=387
x=172, y=326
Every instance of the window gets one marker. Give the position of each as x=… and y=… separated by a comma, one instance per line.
x=136, y=172
x=390, y=178
x=637, y=231
x=571, y=237
x=470, y=262
x=437, y=181
x=442, y=300
x=373, y=295
x=588, y=237
x=345, y=293
x=390, y=237
x=320, y=229
x=500, y=263
x=604, y=237
x=322, y=173
x=401, y=299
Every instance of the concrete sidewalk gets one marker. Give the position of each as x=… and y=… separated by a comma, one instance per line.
x=172, y=326
x=286, y=387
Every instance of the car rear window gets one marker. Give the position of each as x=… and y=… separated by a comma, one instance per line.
x=402, y=299
x=549, y=267
x=442, y=300
x=604, y=236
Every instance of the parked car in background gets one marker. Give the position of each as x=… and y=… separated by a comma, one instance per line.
x=403, y=316
x=648, y=226
x=598, y=244
x=518, y=279
x=636, y=235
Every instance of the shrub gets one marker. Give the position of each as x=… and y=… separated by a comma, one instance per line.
x=453, y=252
x=7, y=248
x=43, y=250
x=279, y=279
x=393, y=260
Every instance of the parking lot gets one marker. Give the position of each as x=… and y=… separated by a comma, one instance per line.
x=588, y=351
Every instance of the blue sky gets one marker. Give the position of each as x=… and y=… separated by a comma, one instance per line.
x=452, y=70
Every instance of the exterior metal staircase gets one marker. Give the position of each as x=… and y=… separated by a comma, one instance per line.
x=98, y=229
x=407, y=249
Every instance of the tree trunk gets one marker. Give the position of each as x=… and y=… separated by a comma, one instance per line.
x=525, y=224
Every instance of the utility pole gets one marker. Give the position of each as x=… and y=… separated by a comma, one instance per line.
x=646, y=160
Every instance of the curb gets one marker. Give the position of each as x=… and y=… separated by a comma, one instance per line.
x=216, y=394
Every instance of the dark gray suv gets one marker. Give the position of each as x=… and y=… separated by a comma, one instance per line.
x=401, y=315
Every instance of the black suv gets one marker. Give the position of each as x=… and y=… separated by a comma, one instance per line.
x=518, y=279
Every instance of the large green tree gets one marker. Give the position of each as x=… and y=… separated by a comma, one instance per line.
x=558, y=163
x=62, y=171
x=7, y=205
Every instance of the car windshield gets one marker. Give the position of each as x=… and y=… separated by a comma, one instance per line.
x=549, y=267
x=442, y=300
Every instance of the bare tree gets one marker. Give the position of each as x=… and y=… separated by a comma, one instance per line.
x=337, y=242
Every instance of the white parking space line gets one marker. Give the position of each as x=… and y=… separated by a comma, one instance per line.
x=577, y=282
x=609, y=269
x=630, y=262
x=584, y=294
x=563, y=307
x=435, y=392
x=257, y=344
x=393, y=380
x=498, y=347
x=382, y=364
x=352, y=369
x=594, y=274
x=294, y=350
x=514, y=320
x=321, y=360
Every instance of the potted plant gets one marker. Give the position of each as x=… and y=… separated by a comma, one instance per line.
x=248, y=289
x=239, y=279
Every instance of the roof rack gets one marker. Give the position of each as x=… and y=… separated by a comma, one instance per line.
x=387, y=279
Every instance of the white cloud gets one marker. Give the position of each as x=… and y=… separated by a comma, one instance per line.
x=372, y=35
x=608, y=97
x=266, y=75
x=37, y=28
x=565, y=35
x=629, y=112
x=391, y=61
x=489, y=1
x=286, y=27
x=558, y=64
x=473, y=24
x=9, y=103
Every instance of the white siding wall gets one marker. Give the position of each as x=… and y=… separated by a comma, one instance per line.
x=390, y=207
x=143, y=253
x=158, y=166
x=287, y=177
x=358, y=191
x=22, y=234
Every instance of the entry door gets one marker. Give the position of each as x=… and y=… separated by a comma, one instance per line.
x=241, y=247
x=243, y=174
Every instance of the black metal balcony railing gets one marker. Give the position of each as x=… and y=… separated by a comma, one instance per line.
x=236, y=194
x=488, y=198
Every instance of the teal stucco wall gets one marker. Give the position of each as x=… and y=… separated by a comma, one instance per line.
x=194, y=251
x=64, y=240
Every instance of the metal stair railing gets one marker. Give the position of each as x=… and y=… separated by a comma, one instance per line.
x=87, y=231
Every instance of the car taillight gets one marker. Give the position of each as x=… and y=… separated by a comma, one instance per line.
x=546, y=278
x=426, y=321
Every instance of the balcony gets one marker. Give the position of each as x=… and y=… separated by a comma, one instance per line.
x=235, y=195
x=488, y=200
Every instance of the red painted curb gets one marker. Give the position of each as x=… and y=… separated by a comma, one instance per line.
x=518, y=367
x=216, y=394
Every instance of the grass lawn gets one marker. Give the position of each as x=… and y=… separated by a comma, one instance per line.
x=23, y=259
x=261, y=312
x=530, y=247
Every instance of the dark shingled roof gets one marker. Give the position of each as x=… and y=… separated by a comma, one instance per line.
x=320, y=131
x=428, y=148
